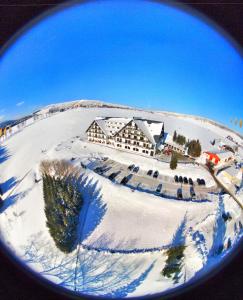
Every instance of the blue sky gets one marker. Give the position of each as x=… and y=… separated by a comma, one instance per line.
x=139, y=53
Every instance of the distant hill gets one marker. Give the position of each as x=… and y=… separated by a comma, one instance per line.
x=6, y=123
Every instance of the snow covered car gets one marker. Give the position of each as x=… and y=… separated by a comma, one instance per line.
x=202, y=182
x=136, y=169
x=150, y=172
x=159, y=187
x=185, y=180
x=192, y=193
x=131, y=167
x=179, y=194
x=156, y=174
x=113, y=175
x=190, y=181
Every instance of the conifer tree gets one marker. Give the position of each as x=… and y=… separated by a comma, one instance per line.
x=174, y=136
x=173, y=162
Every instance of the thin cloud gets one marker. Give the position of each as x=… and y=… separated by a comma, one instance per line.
x=20, y=103
x=2, y=117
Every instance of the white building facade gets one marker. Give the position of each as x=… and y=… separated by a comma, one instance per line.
x=135, y=135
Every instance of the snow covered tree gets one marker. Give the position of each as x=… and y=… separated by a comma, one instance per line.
x=63, y=202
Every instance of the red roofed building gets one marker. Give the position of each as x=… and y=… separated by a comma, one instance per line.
x=219, y=158
x=212, y=157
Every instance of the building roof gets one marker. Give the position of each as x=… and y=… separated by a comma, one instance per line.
x=151, y=129
x=221, y=154
x=110, y=126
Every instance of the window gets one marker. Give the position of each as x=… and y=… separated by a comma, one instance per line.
x=141, y=138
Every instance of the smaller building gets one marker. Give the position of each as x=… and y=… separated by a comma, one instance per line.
x=231, y=175
x=219, y=158
x=169, y=144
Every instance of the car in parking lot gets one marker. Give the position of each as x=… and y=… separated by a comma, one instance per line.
x=159, y=187
x=156, y=174
x=176, y=178
x=185, y=180
x=202, y=182
x=131, y=167
x=192, y=193
x=113, y=175
x=179, y=194
x=125, y=179
x=190, y=181
x=150, y=172
x=135, y=170
x=180, y=179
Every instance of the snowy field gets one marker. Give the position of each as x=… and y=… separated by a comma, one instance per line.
x=125, y=234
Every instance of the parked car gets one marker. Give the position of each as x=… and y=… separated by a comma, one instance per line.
x=179, y=194
x=131, y=167
x=135, y=170
x=100, y=170
x=202, y=182
x=192, y=193
x=113, y=175
x=185, y=180
x=156, y=174
x=159, y=187
x=190, y=181
x=176, y=178
x=180, y=179
x=150, y=172
x=124, y=180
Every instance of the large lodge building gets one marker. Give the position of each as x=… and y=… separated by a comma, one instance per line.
x=131, y=134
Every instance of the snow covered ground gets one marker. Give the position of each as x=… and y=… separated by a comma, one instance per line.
x=126, y=234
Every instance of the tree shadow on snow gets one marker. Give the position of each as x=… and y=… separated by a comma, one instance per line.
x=179, y=236
x=8, y=185
x=3, y=154
x=93, y=209
x=86, y=271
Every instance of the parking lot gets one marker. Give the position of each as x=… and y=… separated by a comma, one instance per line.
x=138, y=179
